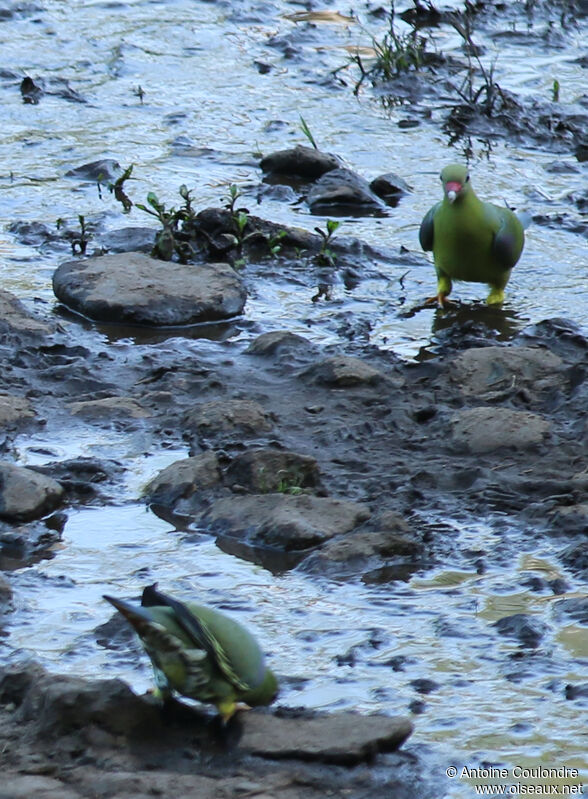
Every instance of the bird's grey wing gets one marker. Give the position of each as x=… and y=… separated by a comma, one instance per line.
x=508, y=240
x=426, y=230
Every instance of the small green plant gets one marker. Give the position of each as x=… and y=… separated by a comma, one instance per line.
x=273, y=242
x=307, y=132
x=79, y=242
x=326, y=256
x=555, y=90
x=290, y=483
x=489, y=95
x=239, y=216
x=117, y=188
x=395, y=53
x=169, y=239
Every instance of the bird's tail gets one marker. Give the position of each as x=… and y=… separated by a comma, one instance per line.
x=134, y=614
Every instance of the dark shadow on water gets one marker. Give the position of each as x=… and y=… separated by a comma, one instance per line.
x=144, y=334
x=276, y=561
x=467, y=323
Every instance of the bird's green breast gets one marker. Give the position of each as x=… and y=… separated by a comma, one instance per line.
x=463, y=236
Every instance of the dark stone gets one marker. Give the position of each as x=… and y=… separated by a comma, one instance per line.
x=301, y=162
x=528, y=630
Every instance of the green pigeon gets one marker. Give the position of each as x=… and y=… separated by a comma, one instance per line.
x=199, y=652
x=471, y=240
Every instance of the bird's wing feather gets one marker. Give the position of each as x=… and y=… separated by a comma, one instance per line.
x=508, y=239
x=426, y=231
x=199, y=631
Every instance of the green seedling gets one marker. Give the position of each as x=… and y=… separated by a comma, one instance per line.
x=326, y=256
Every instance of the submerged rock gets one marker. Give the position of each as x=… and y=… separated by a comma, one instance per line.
x=23, y=545
x=137, y=289
x=525, y=628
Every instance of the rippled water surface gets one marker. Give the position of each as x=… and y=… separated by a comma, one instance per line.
x=196, y=65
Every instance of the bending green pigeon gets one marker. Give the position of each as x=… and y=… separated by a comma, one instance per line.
x=471, y=240
x=199, y=652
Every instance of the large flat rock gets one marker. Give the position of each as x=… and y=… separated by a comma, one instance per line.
x=284, y=521
x=479, y=430
x=343, y=738
x=132, y=287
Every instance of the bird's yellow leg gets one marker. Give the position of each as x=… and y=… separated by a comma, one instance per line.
x=226, y=709
x=496, y=296
x=444, y=287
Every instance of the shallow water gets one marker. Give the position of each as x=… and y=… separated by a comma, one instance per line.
x=195, y=62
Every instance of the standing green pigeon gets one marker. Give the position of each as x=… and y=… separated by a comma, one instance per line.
x=471, y=240
x=199, y=652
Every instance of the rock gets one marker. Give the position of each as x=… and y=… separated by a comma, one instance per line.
x=59, y=703
x=278, y=342
x=362, y=553
x=25, y=494
x=128, y=239
x=102, y=170
x=571, y=519
x=134, y=288
x=301, y=162
x=14, y=318
x=183, y=478
x=390, y=188
x=342, y=371
x=341, y=189
x=284, y=521
x=80, y=477
x=575, y=609
x=245, y=415
x=25, y=544
x=343, y=738
x=25, y=786
x=525, y=628
x=577, y=691
x=14, y=410
x=109, y=408
x=269, y=470
x=576, y=557
x=490, y=371
x=479, y=430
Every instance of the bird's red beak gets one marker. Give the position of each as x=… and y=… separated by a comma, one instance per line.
x=452, y=189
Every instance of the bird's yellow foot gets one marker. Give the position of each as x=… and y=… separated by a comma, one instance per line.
x=496, y=297
x=440, y=300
